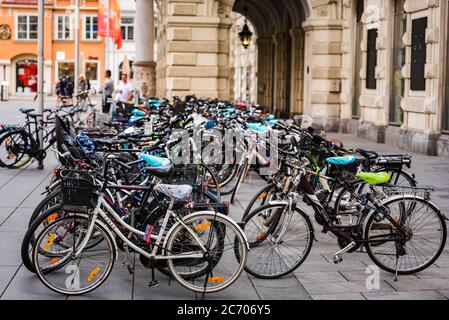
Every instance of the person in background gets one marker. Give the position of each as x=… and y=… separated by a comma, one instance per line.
x=82, y=84
x=68, y=88
x=125, y=91
x=107, y=90
x=59, y=90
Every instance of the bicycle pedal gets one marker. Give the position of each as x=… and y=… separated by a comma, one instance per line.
x=338, y=259
x=153, y=283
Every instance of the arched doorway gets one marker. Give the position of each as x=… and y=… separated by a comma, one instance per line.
x=25, y=75
x=280, y=56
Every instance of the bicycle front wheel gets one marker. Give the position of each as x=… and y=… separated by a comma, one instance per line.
x=65, y=272
x=217, y=267
x=280, y=240
x=421, y=244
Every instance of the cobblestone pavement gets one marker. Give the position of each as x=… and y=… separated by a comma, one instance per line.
x=317, y=278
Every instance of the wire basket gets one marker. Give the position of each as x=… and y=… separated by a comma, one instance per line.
x=77, y=190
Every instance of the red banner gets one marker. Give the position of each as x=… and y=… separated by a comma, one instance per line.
x=114, y=20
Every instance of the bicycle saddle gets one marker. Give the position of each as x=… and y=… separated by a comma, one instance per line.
x=374, y=178
x=371, y=155
x=110, y=142
x=26, y=110
x=160, y=172
x=181, y=192
x=342, y=161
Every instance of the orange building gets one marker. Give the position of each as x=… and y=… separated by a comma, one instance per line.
x=18, y=43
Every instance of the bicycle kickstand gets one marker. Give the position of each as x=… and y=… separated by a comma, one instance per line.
x=153, y=282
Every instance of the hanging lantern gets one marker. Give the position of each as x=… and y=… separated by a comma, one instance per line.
x=245, y=36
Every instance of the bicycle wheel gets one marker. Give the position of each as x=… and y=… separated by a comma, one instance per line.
x=218, y=267
x=424, y=240
x=261, y=198
x=65, y=272
x=279, y=240
x=37, y=225
x=13, y=150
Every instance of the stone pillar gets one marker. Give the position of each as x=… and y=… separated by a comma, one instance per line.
x=322, y=83
x=280, y=83
x=144, y=66
x=297, y=77
x=265, y=75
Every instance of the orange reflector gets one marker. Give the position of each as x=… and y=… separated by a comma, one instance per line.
x=260, y=236
x=7, y=140
x=50, y=241
x=203, y=226
x=52, y=217
x=93, y=274
x=54, y=261
x=216, y=280
x=263, y=196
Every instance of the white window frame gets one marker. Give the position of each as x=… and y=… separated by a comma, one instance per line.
x=16, y=26
x=91, y=16
x=126, y=28
x=56, y=37
x=98, y=68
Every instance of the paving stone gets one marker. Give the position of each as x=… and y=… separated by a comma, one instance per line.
x=18, y=221
x=316, y=277
x=280, y=289
x=10, y=243
x=6, y=274
x=419, y=284
x=321, y=288
x=405, y=295
x=339, y=296
x=27, y=286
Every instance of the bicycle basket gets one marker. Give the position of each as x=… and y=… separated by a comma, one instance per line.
x=77, y=190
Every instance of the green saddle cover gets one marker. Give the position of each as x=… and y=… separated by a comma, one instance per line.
x=374, y=178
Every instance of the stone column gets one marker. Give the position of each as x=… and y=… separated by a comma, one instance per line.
x=144, y=66
x=265, y=67
x=297, y=78
x=280, y=100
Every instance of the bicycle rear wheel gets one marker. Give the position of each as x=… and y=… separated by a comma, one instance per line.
x=218, y=267
x=423, y=243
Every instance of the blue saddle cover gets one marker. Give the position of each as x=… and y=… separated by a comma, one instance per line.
x=342, y=161
x=153, y=161
x=258, y=127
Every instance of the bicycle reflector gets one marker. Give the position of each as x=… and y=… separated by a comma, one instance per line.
x=93, y=274
x=216, y=280
x=50, y=241
x=203, y=226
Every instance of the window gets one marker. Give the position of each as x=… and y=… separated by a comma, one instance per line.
x=66, y=69
x=91, y=71
x=398, y=81
x=128, y=29
x=358, y=57
x=63, y=27
x=26, y=27
x=90, y=28
x=419, y=55
x=371, y=60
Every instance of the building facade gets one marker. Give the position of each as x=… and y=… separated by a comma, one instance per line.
x=18, y=44
x=374, y=68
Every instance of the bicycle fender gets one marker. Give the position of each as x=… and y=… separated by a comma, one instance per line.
x=207, y=212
